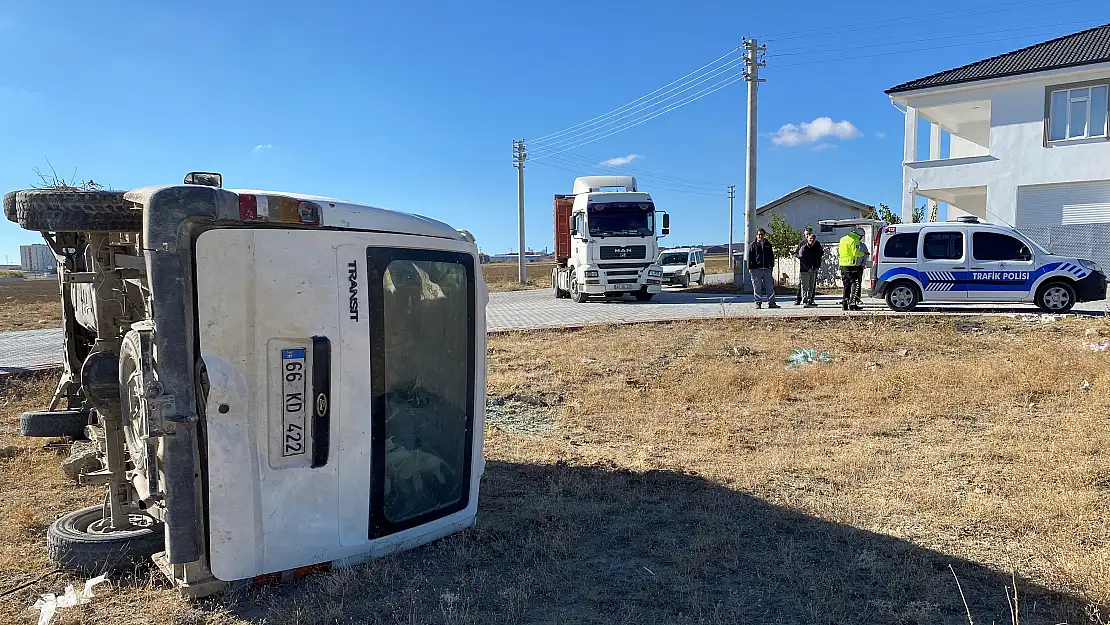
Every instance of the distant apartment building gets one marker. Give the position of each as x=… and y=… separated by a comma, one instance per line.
x=36, y=258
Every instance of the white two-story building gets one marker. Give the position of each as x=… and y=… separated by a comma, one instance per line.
x=1018, y=139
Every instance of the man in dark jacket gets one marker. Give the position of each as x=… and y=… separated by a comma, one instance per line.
x=761, y=265
x=798, y=254
x=811, y=255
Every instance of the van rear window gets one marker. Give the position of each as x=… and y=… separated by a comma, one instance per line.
x=902, y=245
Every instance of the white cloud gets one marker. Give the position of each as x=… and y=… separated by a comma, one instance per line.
x=618, y=161
x=880, y=135
x=821, y=147
x=261, y=146
x=790, y=135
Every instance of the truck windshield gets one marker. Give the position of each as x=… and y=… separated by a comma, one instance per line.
x=673, y=259
x=621, y=220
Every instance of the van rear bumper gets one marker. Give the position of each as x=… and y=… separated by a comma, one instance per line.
x=1092, y=288
x=880, y=288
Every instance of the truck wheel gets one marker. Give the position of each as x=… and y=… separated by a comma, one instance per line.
x=1056, y=297
x=81, y=542
x=75, y=211
x=577, y=296
x=902, y=297
x=54, y=423
x=643, y=295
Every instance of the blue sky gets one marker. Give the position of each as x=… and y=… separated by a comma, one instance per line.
x=414, y=105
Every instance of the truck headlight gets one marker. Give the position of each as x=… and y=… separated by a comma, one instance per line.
x=1090, y=265
x=655, y=273
x=591, y=273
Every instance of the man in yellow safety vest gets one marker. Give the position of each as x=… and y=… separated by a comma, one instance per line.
x=853, y=256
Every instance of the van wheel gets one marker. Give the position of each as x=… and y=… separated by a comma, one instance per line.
x=83, y=542
x=902, y=297
x=576, y=295
x=685, y=280
x=48, y=210
x=701, y=278
x=1056, y=297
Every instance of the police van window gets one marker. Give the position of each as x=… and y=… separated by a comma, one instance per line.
x=944, y=245
x=997, y=246
x=902, y=245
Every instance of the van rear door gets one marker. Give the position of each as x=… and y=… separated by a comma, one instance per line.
x=343, y=416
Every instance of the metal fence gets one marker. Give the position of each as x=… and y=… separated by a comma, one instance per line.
x=1087, y=241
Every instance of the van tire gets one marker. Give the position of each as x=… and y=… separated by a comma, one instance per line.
x=9, y=206
x=1057, y=296
x=54, y=423
x=903, y=296
x=72, y=547
x=48, y=210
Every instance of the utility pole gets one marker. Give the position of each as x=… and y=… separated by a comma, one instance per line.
x=753, y=60
x=519, y=156
x=731, y=196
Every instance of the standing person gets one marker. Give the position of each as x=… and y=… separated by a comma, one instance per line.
x=798, y=254
x=853, y=254
x=761, y=264
x=811, y=255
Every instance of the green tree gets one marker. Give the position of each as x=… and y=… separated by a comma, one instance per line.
x=782, y=236
x=885, y=214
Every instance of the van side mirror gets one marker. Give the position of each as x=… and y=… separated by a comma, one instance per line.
x=666, y=225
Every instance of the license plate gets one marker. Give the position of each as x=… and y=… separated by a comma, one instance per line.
x=627, y=287
x=294, y=404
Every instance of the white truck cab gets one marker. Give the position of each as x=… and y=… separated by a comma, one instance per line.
x=611, y=242
x=682, y=265
x=967, y=261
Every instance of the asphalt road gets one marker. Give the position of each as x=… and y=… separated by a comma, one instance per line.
x=523, y=310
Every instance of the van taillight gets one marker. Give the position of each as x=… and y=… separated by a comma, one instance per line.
x=248, y=207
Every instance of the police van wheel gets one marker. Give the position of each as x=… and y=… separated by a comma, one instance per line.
x=1056, y=297
x=902, y=297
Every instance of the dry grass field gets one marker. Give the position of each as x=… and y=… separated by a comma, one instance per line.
x=679, y=473
x=29, y=305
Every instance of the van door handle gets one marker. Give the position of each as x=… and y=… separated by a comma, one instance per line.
x=954, y=268
x=977, y=267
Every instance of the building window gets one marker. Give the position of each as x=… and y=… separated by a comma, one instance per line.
x=1078, y=113
x=944, y=245
x=826, y=228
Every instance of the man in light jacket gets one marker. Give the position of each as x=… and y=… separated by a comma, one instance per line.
x=761, y=265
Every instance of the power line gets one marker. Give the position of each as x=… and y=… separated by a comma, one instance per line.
x=641, y=109
x=654, y=185
x=697, y=96
x=585, y=160
x=911, y=19
x=884, y=42
x=621, y=108
x=893, y=52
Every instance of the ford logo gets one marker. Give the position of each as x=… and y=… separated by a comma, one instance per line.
x=321, y=404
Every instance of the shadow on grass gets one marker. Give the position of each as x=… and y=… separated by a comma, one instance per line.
x=574, y=544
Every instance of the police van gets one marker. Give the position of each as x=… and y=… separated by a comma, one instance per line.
x=967, y=261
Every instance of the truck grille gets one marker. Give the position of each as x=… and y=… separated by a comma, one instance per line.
x=621, y=281
x=631, y=272
x=615, y=252
x=623, y=265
